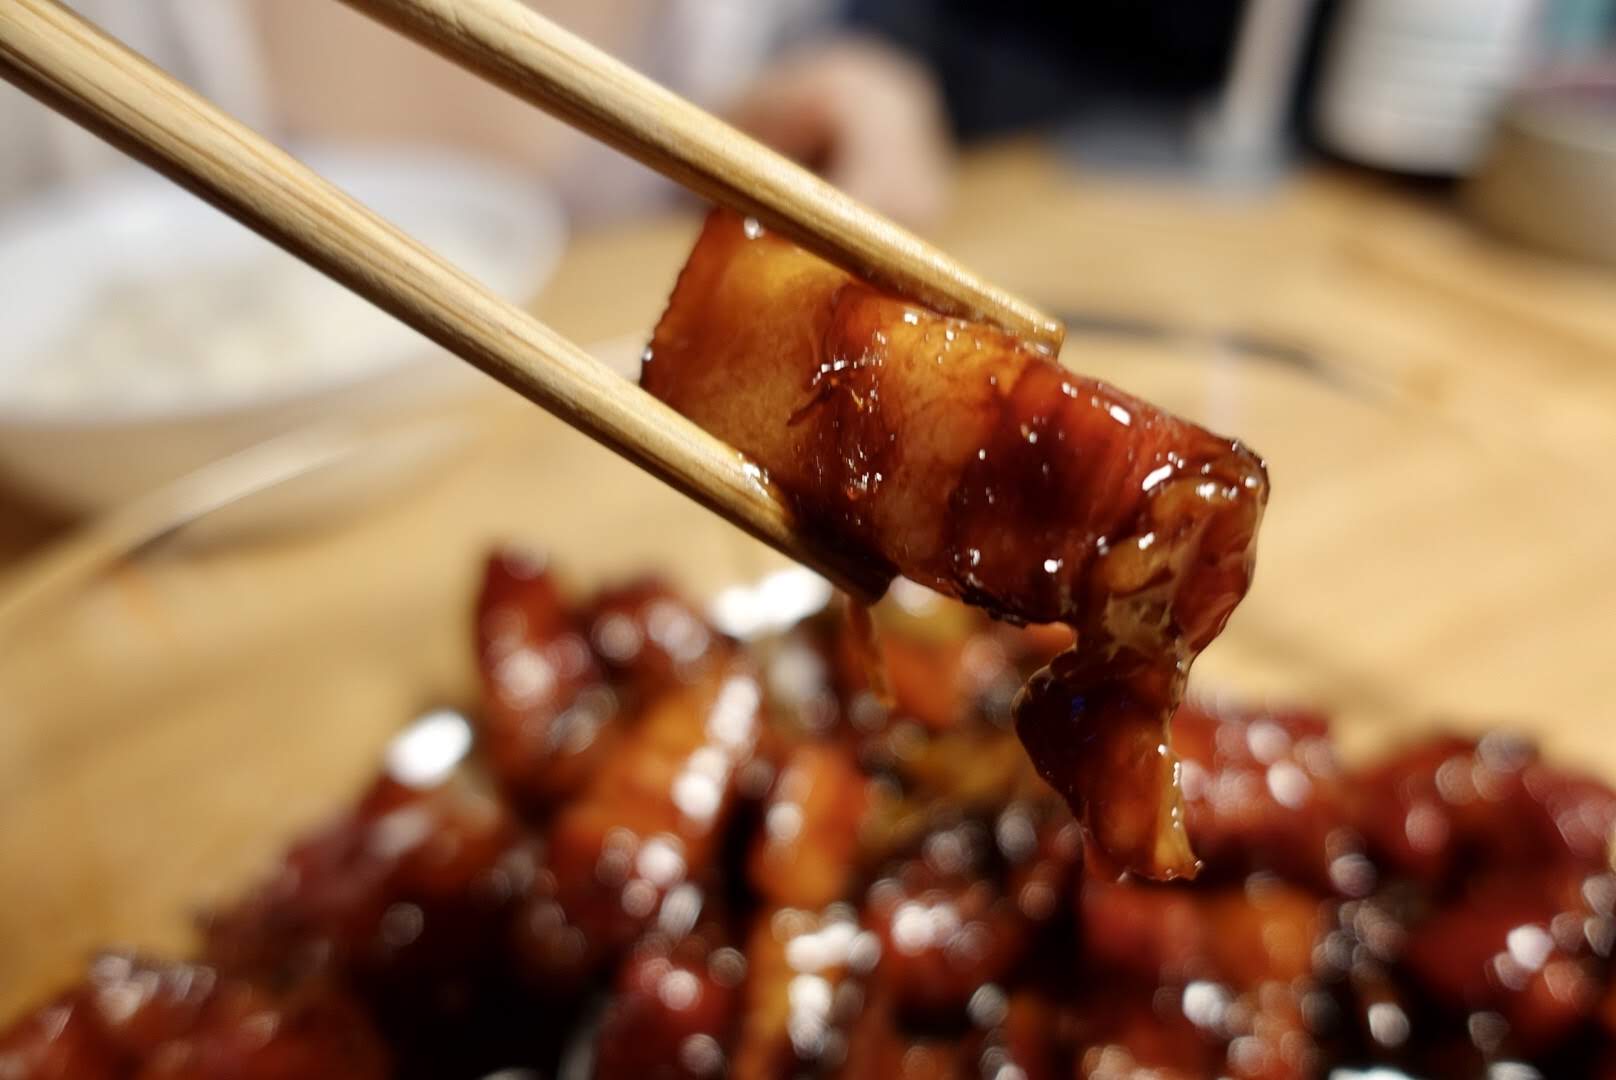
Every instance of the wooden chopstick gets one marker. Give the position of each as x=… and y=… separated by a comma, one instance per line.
x=72, y=66
x=508, y=43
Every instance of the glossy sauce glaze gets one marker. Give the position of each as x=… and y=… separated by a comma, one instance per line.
x=967, y=461
x=768, y=869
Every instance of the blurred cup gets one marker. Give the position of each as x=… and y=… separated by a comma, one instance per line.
x=1413, y=85
x=1549, y=176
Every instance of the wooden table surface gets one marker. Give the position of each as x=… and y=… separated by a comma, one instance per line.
x=1438, y=412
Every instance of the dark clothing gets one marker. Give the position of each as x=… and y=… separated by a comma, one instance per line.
x=1016, y=63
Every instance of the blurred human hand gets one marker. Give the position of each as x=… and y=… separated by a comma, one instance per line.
x=863, y=115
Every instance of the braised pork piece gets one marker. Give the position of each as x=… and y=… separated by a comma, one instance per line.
x=671, y=855
x=958, y=456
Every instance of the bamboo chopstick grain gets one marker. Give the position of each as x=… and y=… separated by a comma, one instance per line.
x=72, y=66
x=507, y=43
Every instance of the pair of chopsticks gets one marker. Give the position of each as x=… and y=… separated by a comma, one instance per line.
x=73, y=67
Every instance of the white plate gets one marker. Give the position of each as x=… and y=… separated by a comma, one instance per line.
x=60, y=253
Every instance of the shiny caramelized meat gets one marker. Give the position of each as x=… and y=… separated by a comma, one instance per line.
x=804, y=855
x=967, y=461
x=134, y=1020
x=645, y=834
x=405, y=901
x=1432, y=812
x=759, y=866
x=1263, y=790
x=672, y=1006
x=402, y=889
x=548, y=713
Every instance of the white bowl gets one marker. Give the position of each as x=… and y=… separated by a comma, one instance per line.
x=1549, y=177
x=88, y=449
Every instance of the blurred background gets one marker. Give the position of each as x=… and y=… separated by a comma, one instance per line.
x=137, y=311
x=1376, y=238
x=149, y=337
